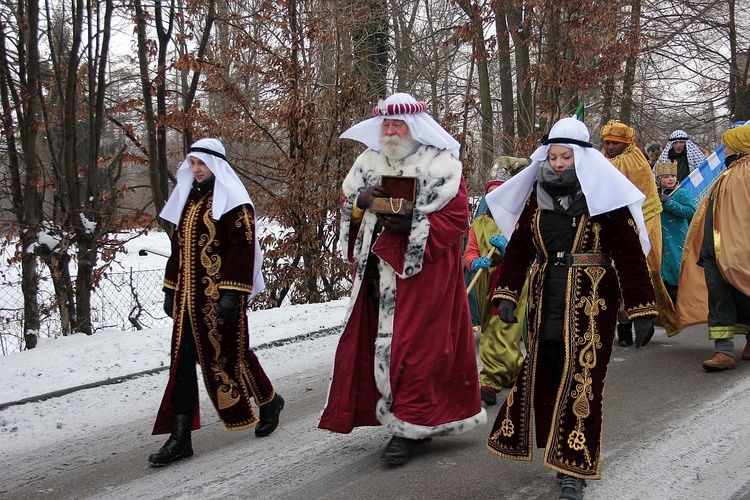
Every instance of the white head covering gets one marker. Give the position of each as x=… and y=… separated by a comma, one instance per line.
x=604, y=187
x=229, y=192
x=694, y=155
x=402, y=106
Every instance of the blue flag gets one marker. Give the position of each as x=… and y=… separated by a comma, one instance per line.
x=700, y=179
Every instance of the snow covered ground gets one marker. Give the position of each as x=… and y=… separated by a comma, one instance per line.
x=701, y=452
x=74, y=361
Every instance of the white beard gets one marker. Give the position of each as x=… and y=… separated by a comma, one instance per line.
x=396, y=148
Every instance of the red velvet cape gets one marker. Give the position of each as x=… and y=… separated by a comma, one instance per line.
x=433, y=368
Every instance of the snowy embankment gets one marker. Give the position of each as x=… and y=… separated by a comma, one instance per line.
x=79, y=360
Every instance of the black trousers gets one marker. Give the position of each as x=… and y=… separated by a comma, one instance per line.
x=727, y=306
x=185, y=388
x=549, y=370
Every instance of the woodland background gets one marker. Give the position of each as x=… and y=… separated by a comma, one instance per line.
x=101, y=99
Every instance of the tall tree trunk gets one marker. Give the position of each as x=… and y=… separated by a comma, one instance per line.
x=505, y=69
x=520, y=28
x=371, y=47
x=84, y=285
x=607, y=111
x=58, y=263
x=628, y=80
x=31, y=219
x=739, y=85
x=474, y=14
x=549, y=56
x=159, y=187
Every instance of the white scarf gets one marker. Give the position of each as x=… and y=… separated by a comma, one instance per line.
x=422, y=127
x=229, y=192
x=604, y=187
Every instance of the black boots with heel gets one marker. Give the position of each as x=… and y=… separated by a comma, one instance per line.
x=269, y=416
x=178, y=446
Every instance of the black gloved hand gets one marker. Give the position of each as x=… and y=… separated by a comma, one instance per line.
x=505, y=310
x=398, y=224
x=664, y=198
x=169, y=301
x=229, y=306
x=364, y=199
x=644, y=330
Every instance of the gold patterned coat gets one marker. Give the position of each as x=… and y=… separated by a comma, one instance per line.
x=592, y=296
x=633, y=165
x=208, y=257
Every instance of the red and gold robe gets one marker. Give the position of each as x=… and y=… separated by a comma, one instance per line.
x=411, y=364
x=208, y=257
x=592, y=298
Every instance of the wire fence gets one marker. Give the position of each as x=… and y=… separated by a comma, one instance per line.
x=130, y=300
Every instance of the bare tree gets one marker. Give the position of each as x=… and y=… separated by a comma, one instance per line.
x=21, y=117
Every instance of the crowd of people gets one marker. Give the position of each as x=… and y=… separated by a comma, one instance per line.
x=571, y=253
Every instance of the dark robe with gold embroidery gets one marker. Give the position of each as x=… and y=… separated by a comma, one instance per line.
x=572, y=421
x=209, y=257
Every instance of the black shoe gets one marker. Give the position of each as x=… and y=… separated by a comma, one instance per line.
x=269, y=416
x=625, y=334
x=178, y=446
x=647, y=338
x=572, y=488
x=489, y=396
x=400, y=449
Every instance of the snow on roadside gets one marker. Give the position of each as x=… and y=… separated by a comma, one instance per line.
x=75, y=360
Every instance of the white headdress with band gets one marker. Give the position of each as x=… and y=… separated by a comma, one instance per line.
x=402, y=106
x=229, y=192
x=694, y=155
x=604, y=187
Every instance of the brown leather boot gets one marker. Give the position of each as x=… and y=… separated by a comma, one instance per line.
x=719, y=362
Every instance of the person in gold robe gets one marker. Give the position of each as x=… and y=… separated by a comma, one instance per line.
x=214, y=269
x=715, y=271
x=619, y=147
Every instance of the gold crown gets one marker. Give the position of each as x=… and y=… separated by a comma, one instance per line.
x=617, y=131
x=666, y=168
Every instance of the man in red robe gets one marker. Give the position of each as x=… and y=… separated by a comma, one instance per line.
x=406, y=358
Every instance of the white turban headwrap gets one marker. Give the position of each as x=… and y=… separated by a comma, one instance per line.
x=229, y=192
x=402, y=106
x=604, y=187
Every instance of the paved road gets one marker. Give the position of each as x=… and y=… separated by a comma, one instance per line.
x=671, y=431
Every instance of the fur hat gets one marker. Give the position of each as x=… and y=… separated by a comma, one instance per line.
x=653, y=150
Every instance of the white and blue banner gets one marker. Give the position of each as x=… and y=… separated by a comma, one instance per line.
x=700, y=179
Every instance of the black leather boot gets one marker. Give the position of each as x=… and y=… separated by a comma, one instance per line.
x=269, y=416
x=178, y=446
x=400, y=449
x=625, y=334
x=572, y=488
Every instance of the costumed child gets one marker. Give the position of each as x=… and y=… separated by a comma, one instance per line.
x=678, y=210
x=499, y=343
